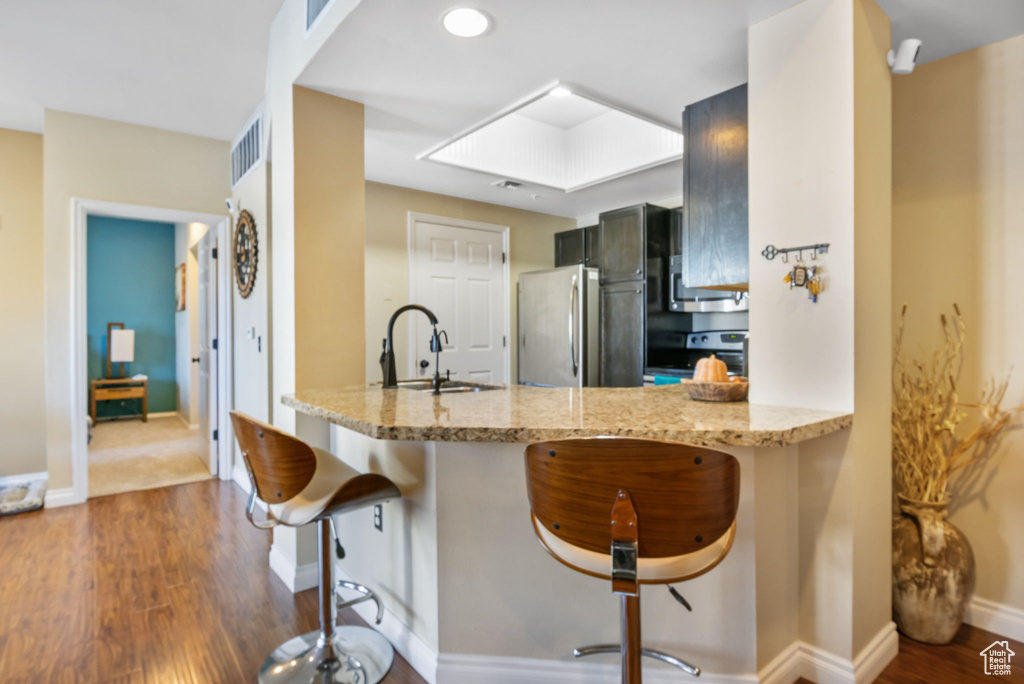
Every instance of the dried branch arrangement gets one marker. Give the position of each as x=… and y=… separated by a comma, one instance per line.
x=926, y=413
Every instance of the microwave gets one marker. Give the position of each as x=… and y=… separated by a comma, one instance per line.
x=695, y=300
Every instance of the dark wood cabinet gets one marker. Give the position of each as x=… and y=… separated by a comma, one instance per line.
x=578, y=246
x=715, y=198
x=591, y=247
x=569, y=248
x=621, y=237
x=622, y=324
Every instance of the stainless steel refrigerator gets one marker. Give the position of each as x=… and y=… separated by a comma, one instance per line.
x=558, y=327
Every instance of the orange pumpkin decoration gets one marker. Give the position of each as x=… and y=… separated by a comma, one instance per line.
x=711, y=369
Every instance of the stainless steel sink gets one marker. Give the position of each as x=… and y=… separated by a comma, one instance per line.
x=449, y=387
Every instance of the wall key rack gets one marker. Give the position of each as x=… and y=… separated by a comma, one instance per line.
x=771, y=251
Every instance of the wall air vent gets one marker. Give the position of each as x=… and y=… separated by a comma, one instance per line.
x=506, y=184
x=313, y=10
x=247, y=151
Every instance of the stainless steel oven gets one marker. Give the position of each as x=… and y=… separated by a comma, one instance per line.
x=694, y=300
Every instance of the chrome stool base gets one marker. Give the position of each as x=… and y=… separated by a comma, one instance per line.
x=356, y=655
x=646, y=653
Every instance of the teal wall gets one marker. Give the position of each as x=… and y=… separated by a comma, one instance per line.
x=131, y=280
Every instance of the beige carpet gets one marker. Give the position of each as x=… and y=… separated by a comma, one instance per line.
x=127, y=455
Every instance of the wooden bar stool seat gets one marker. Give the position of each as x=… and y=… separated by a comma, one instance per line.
x=334, y=488
x=633, y=511
x=301, y=484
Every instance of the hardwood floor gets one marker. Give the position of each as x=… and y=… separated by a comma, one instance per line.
x=166, y=585
x=957, y=662
x=172, y=586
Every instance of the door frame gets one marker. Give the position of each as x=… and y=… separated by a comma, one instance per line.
x=81, y=209
x=413, y=217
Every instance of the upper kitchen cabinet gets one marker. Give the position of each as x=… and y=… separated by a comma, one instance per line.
x=569, y=246
x=621, y=236
x=715, y=232
x=574, y=247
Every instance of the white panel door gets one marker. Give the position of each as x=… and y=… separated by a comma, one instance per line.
x=207, y=315
x=459, y=275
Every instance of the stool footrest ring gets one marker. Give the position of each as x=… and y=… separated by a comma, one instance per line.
x=646, y=652
x=367, y=595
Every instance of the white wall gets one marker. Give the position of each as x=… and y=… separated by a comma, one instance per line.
x=251, y=368
x=186, y=323
x=290, y=51
x=820, y=159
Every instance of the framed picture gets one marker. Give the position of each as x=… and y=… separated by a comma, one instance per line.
x=179, y=288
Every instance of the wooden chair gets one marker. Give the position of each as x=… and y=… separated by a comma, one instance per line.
x=301, y=484
x=633, y=511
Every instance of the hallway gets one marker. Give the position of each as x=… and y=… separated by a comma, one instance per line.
x=128, y=455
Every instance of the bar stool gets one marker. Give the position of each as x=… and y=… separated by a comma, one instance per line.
x=301, y=484
x=633, y=511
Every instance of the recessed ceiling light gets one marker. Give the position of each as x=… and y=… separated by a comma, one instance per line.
x=465, y=22
x=560, y=91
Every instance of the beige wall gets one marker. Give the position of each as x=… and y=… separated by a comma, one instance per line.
x=22, y=401
x=330, y=229
x=871, y=438
x=387, y=256
x=958, y=236
x=98, y=159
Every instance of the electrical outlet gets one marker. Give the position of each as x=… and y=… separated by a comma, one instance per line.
x=378, y=517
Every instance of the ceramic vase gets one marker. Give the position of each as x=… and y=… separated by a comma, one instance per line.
x=932, y=572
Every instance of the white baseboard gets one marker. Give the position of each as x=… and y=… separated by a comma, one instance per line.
x=60, y=497
x=785, y=668
x=296, y=577
x=878, y=653
x=995, y=617
x=163, y=414
x=413, y=648
x=23, y=478
x=820, y=666
x=472, y=669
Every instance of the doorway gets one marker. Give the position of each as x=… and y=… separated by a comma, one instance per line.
x=144, y=448
x=459, y=270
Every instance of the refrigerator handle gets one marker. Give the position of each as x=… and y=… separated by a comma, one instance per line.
x=573, y=295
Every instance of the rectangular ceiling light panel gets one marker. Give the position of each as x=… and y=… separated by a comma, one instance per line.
x=568, y=143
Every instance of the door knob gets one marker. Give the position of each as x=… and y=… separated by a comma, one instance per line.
x=195, y=359
x=424, y=363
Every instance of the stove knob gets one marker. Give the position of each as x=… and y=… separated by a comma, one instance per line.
x=704, y=338
x=694, y=339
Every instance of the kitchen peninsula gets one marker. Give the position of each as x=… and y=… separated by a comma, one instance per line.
x=467, y=585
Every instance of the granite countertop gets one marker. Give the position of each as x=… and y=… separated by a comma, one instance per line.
x=519, y=413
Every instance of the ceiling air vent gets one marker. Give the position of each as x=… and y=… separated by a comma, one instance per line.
x=313, y=10
x=247, y=151
x=506, y=184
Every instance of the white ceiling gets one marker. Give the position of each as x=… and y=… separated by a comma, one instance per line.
x=948, y=27
x=195, y=66
x=422, y=86
x=199, y=66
